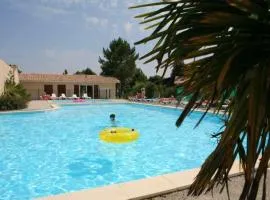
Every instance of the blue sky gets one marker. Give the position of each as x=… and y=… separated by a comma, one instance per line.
x=52, y=35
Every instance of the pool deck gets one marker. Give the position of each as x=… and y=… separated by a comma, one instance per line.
x=235, y=188
x=89, y=102
x=42, y=106
x=153, y=187
x=34, y=106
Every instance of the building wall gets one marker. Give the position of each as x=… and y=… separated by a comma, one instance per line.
x=36, y=89
x=5, y=71
x=111, y=91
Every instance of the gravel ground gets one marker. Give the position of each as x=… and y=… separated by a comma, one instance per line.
x=235, y=188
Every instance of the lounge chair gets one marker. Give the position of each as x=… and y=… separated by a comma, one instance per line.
x=54, y=97
x=183, y=103
x=85, y=96
x=155, y=100
x=63, y=96
x=172, y=100
x=152, y=100
x=45, y=97
x=131, y=98
x=165, y=100
x=226, y=104
x=74, y=96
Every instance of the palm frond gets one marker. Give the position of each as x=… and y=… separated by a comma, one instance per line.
x=229, y=45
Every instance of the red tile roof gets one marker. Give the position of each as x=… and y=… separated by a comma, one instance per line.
x=66, y=78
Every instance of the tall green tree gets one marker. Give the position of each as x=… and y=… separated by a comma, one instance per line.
x=86, y=71
x=119, y=60
x=139, y=76
x=156, y=79
x=227, y=43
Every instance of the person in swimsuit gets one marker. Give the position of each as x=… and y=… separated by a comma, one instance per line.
x=113, y=122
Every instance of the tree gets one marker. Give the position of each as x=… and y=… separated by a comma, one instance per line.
x=65, y=72
x=156, y=79
x=119, y=61
x=151, y=90
x=86, y=71
x=139, y=76
x=227, y=44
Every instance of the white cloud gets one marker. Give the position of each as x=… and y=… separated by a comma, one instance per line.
x=91, y=20
x=52, y=10
x=128, y=27
x=70, y=59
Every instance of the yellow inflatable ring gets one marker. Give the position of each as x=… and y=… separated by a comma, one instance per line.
x=118, y=135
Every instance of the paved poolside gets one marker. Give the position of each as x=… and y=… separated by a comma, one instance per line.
x=171, y=186
x=235, y=188
x=34, y=106
x=155, y=188
x=38, y=105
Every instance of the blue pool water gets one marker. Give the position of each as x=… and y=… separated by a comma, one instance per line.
x=59, y=151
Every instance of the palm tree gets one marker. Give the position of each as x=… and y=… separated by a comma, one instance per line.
x=225, y=45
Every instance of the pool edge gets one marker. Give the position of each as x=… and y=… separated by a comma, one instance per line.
x=140, y=189
x=53, y=107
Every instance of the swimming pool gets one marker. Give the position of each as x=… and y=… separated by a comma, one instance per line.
x=48, y=153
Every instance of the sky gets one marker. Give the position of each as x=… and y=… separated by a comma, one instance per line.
x=49, y=36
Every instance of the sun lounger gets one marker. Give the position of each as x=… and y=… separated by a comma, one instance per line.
x=165, y=101
x=152, y=100
x=54, y=97
x=74, y=96
x=45, y=97
x=224, y=106
x=131, y=99
x=148, y=100
x=63, y=96
x=155, y=100
x=85, y=96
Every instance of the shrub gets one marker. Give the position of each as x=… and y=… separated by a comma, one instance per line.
x=169, y=91
x=137, y=87
x=14, y=96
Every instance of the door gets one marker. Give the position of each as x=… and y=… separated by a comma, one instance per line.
x=77, y=90
x=61, y=89
x=82, y=90
x=48, y=89
x=96, y=92
x=90, y=91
